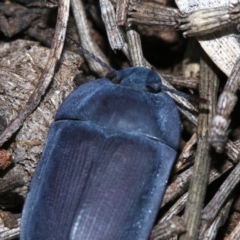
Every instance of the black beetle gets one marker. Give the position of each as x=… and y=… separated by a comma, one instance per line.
x=106, y=163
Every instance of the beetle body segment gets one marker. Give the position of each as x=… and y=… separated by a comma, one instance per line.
x=105, y=165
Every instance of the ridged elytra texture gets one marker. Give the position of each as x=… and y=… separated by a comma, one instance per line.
x=106, y=162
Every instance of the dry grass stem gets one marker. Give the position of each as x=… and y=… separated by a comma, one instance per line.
x=86, y=39
x=208, y=87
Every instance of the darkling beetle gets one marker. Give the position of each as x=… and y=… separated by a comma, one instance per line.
x=106, y=162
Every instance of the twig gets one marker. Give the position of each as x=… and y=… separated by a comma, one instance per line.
x=165, y=230
x=115, y=35
x=152, y=14
x=176, y=208
x=122, y=8
x=232, y=151
x=211, y=233
x=86, y=39
x=181, y=81
x=135, y=49
x=178, y=187
x=47, y=74
x=208, y=89
x=185, y=107
x=187, y=152
x=214, y=206
x=227, y=100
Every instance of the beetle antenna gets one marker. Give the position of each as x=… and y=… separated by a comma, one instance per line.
x=185, y=95
x=111, y=70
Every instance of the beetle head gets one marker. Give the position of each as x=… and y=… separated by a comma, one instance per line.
x=139, y=78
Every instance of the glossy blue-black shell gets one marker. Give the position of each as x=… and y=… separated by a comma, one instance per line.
x=106, y=162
